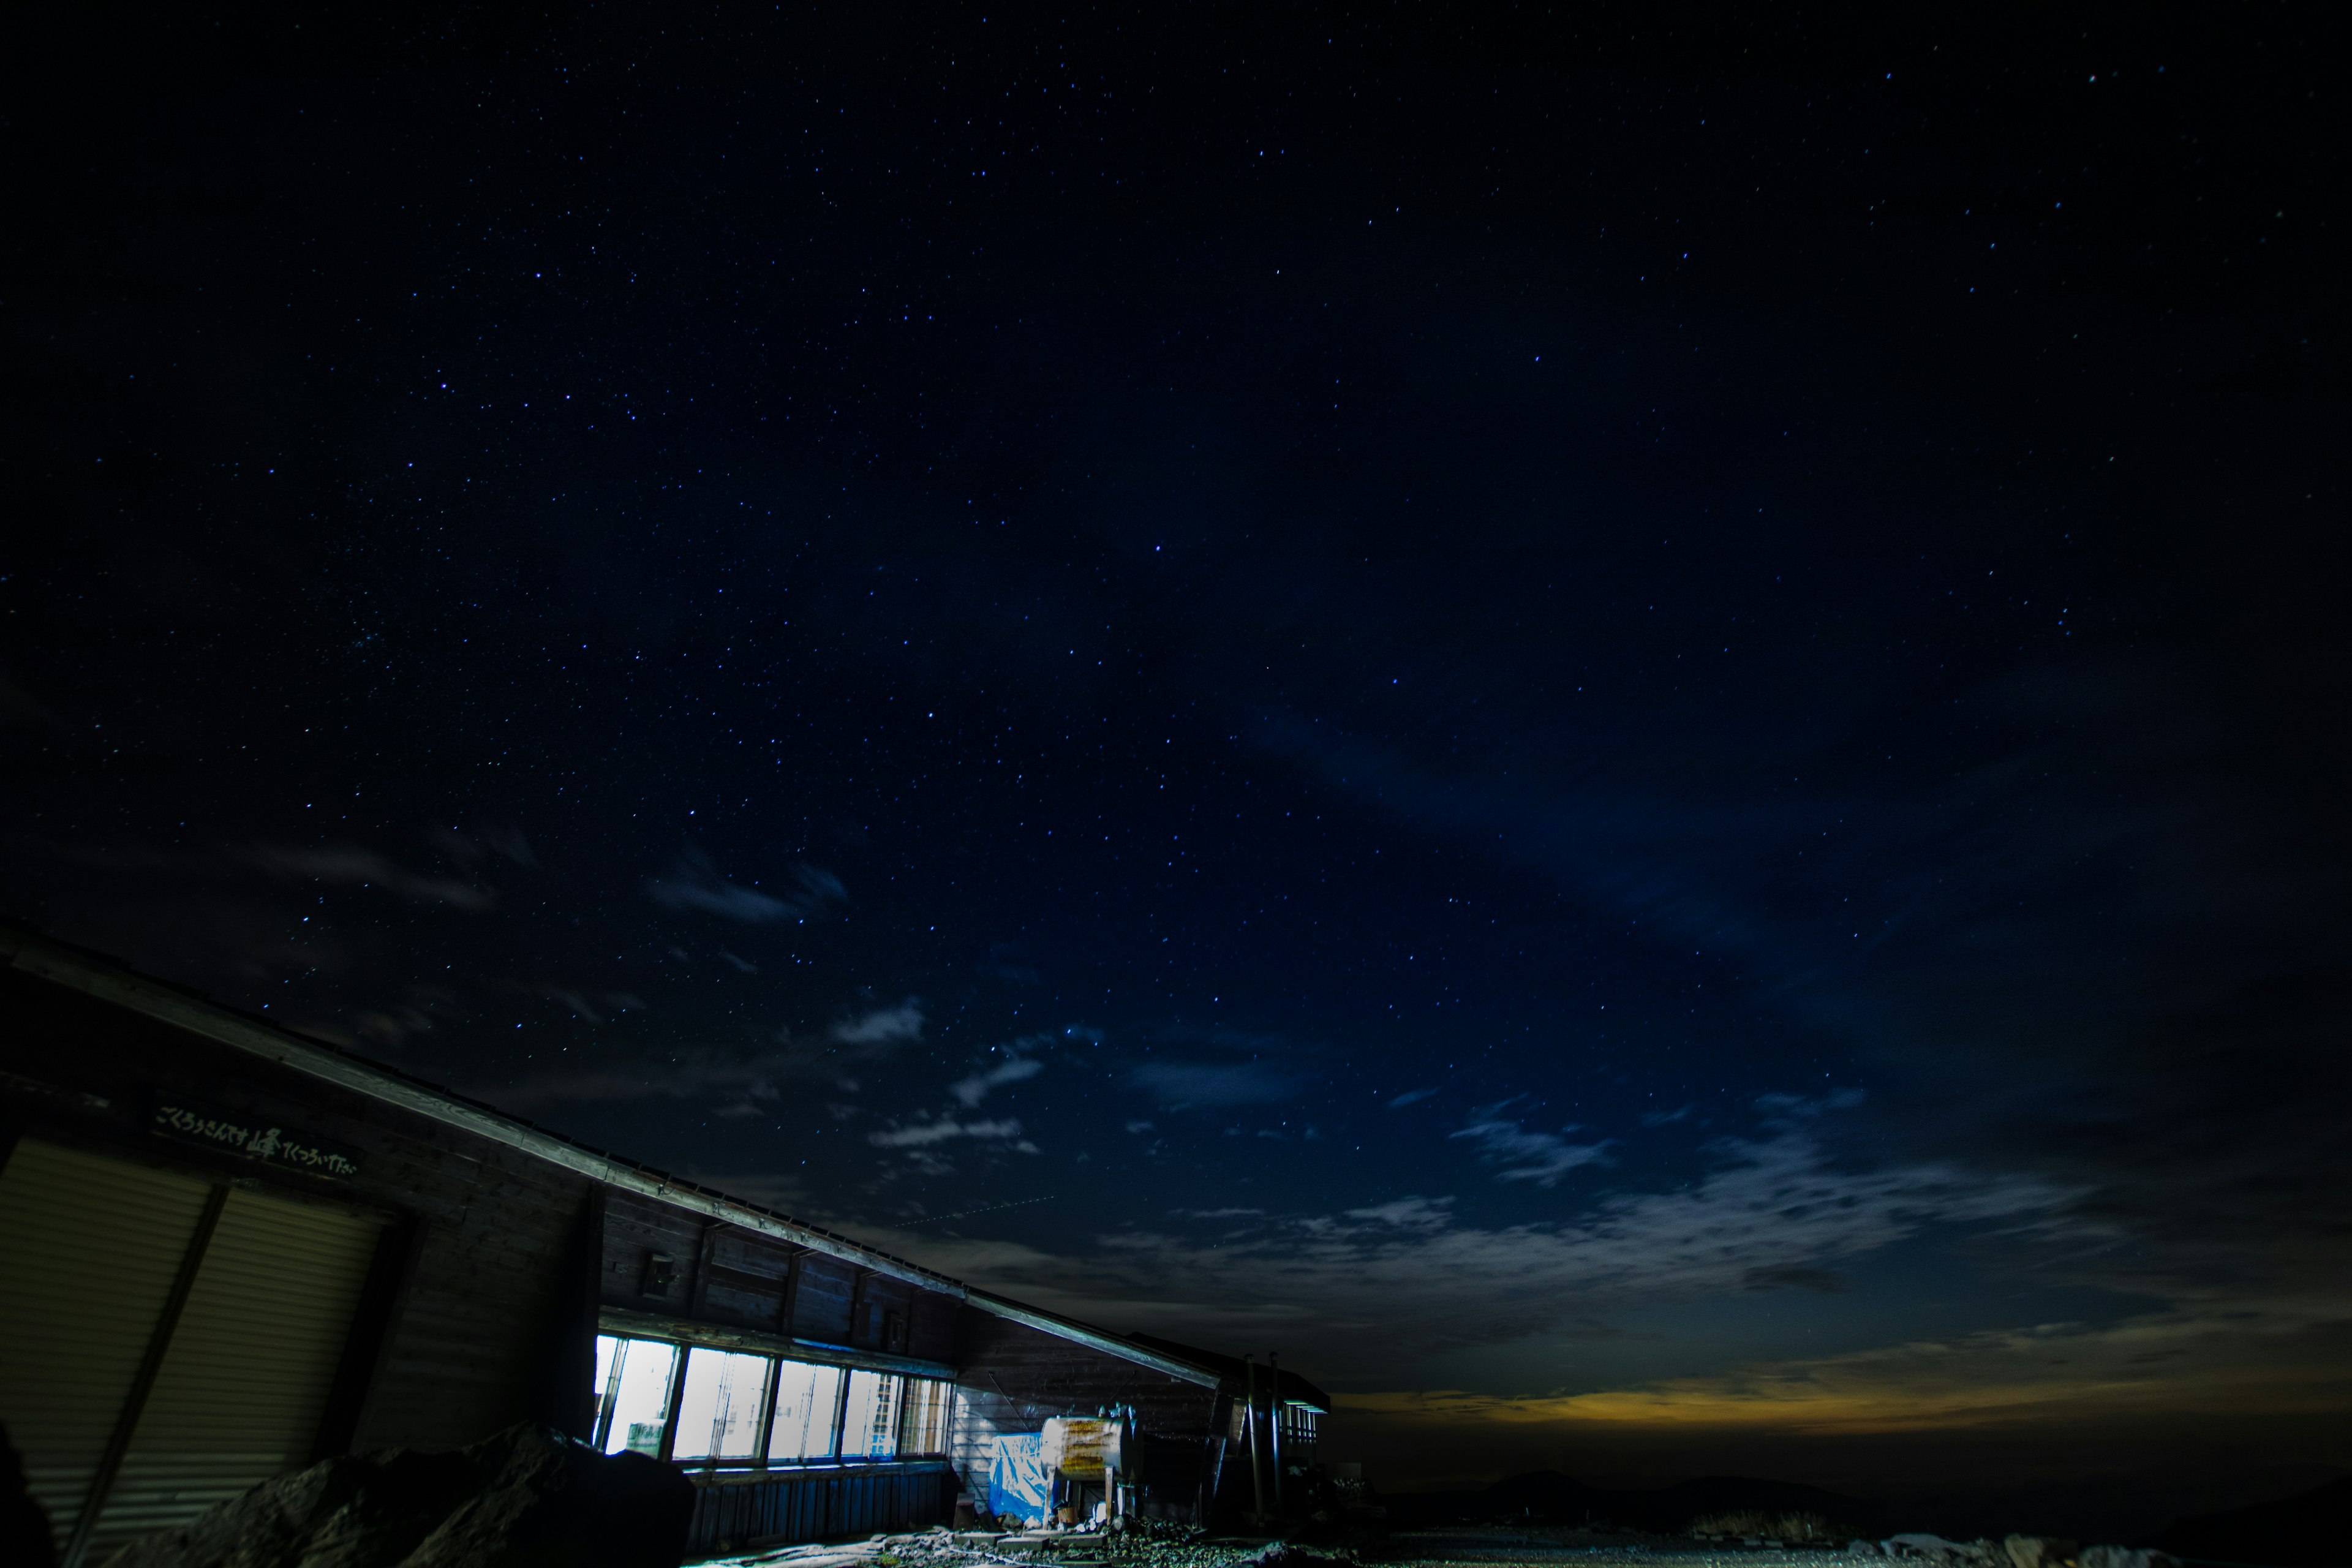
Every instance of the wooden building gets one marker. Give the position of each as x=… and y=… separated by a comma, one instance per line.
x=227, y=1250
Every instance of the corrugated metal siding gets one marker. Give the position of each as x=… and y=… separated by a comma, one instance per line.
x=244, y=1384
x=731, y=1512
x=88, y=1250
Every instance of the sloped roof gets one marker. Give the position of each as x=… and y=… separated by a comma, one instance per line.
x=111, y=980
x=1234, y=1369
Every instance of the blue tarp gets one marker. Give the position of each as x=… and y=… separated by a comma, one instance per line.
x=1017, y=1487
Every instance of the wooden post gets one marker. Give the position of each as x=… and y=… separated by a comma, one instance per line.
x=1257, y=1477
x=1273, y=1417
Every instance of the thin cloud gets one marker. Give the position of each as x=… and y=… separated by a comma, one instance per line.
x=470, y=850
x=923, y=1134
x=1380, y=1285
x=1179, y=1084
x=971, y=1089
x=1412, y=1097
x=694, y=883
x=1542, y=1158
x=881, y=1026
x=348, y=865
x=747, y=1078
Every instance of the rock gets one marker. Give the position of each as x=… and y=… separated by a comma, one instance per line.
x=24, y=1534
x=1863, y=1549
x=1936, y=1549
x=1289, y=1554
x=527, y=1498
x=2126, y=1557
x=2038, y=1551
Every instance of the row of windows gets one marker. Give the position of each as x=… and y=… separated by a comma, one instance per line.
x=697, y=1404
x=1298, y=1423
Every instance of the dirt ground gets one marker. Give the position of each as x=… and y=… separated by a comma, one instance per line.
x=1471, y=1546
x=1563, y=1546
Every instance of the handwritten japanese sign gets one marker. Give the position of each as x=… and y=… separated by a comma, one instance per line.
x=256, y=1140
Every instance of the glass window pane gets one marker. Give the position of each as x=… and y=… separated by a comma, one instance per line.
x=871, y=1430
x=641, y=1405
x=719, y=1410
x=607, y=1347
x=924, y=1429
x=806, y=1399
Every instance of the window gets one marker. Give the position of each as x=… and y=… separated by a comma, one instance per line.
x=633, y=1378
x=871, y=1430
x=720, y=1406
x=924, y=1427
x=1298, y=1425
x=741, y=1408
x=808, y=1402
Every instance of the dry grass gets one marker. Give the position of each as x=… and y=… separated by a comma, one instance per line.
x=1755, y=1523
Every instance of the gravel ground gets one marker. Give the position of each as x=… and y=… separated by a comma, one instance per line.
x=1471, y=1548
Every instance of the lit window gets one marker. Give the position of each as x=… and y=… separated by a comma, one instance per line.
x=636, y=1379
x=869, y=1430
x=720, y=1408
x=808, y=1398
x=725, y=1398
x=924, y=1428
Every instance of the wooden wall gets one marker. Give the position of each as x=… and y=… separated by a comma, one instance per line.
x=485, y=1330
x=1012, y=1377
x=507, y=1256
x=725, y=1274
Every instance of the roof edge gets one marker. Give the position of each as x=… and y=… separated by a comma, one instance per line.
x=107, y=980
x=1092, y=1338
x=64, y=966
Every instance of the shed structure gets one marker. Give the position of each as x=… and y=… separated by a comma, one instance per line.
x=227, y=1250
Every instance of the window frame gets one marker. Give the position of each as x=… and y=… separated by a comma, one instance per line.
x=908, y=1392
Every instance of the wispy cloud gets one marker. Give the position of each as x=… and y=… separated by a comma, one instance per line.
x=922, y=1134
x=749, y=1080
x=1382, y=1284
x=742, y=1077
x=1412, y=1097
x=1542, y=1158
x=469, y=850
x=881, y=1026
x=2029, y=1374
x=348, y=865
x=1179, y=1084
x=971, y=1089
x=694, y=883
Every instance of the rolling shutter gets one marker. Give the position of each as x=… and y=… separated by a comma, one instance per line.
x=89, y=1248
x=244, y=1382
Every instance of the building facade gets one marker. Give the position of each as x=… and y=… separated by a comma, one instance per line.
x=228, y=1251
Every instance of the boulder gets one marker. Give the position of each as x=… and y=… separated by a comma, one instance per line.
x=25, y=1535
x=2126, y=1557
x=1919, y=1544
x=527, y=1498
x=2039, y=1551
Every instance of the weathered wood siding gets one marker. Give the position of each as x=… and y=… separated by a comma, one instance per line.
x=736, y=1511
x=1011, y=1377
x=488, y=1321
x=726, y=1275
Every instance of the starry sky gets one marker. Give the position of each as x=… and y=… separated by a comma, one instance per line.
x=1629, y=730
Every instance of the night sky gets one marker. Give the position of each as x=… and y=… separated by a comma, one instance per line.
x=1634, y=734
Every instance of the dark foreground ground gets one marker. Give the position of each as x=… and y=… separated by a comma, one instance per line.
x=1483, y=1545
